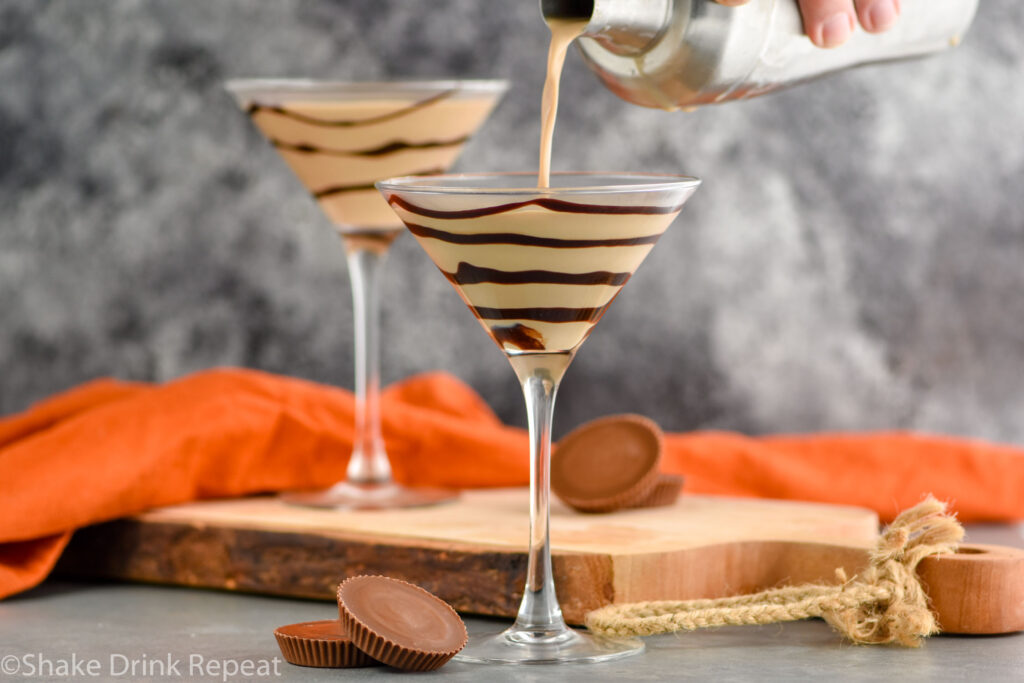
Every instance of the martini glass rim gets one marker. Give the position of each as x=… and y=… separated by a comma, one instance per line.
x=620, y=182
x=272, y=88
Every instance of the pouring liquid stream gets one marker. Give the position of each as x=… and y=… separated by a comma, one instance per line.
x=563, y=32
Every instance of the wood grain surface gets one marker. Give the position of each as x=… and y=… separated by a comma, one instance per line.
x=472, y=552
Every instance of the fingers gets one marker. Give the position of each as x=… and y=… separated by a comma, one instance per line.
x=829, y=23
x=877, y=15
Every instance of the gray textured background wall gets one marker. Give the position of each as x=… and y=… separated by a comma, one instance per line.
x=855, y=259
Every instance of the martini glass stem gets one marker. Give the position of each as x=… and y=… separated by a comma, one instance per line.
x=369, y=462
x=540, y=617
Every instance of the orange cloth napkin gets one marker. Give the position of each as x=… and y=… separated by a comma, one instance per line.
x=108, y=449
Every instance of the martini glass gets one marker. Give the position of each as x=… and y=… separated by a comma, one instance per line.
x=538, y=268
x=339, y=138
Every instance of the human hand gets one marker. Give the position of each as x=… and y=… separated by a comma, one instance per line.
x=829, y=23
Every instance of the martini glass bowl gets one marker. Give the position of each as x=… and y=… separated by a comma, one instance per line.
x=538, y=268
x=339, y=138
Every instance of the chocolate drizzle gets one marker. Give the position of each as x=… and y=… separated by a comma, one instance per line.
x=544, y=315
x=383, y=150
x=549, y=306
x=341, y=189
x=468, y=274
x=520, y=336
x=363, y=187
x=548, y=203
x=256, y=108
x=525, y=240
x=380, y=239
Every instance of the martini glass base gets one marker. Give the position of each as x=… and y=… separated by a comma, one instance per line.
x=515, y=646
x=349, y=496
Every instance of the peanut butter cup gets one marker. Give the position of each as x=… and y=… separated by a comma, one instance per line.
x=321, y=644
x=400, y=624
x=666, y=492
x=607, y=464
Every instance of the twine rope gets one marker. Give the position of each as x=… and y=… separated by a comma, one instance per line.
x=885, y=603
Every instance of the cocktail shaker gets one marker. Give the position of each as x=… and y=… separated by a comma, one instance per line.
x=684, y=53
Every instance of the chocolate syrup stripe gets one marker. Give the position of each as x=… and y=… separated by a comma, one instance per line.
x=378, y=240
x=340, y=189
x=255, y=108
x=544, y=202
x=525, y=240
x=468, y=274
x=544, y=315
x=383, y=150
x=379, y=236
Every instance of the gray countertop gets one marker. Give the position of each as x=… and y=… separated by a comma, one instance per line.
x=65, y=623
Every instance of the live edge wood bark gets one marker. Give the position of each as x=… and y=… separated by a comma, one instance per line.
x=311, y=566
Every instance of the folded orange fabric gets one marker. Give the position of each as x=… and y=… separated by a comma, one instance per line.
x=109, y=449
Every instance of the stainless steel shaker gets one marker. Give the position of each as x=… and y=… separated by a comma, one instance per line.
x=675, y=54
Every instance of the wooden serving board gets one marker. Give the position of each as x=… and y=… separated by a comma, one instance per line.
x=472, y=552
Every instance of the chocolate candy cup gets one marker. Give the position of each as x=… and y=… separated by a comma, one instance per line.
x=666, y=492
x=400, y=624
x=607, y=464
x=321, y=644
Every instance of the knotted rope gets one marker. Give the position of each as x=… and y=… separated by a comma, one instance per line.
x=883, y=604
